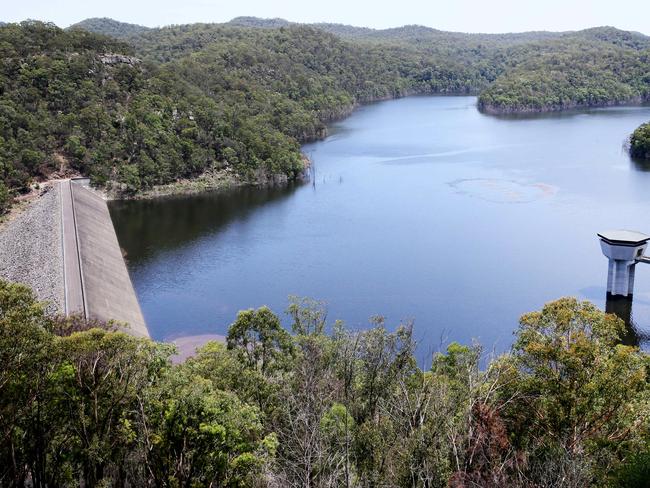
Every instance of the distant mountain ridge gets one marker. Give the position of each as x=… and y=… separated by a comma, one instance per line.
x=409, y=33
x=514, y=72
x=110, y=27
x=416, y=32
x=412, y=31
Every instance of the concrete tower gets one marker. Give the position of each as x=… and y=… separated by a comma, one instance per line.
x=623, y=248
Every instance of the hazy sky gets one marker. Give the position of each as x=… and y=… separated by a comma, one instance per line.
x=457, y=15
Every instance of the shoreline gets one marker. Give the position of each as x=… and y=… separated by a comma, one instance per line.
x=489, y=109
x=219, y=181
x=226, y=179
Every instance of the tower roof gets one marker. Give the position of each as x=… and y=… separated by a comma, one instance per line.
x=624, y=237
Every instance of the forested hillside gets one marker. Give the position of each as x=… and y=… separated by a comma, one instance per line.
x=564, y=75
x=535, y=71
x=180, y=101
x=61, y=103
x=403, y=67
x=236, y=100
x=81, y=101
x=525, y=72
x=109, y=27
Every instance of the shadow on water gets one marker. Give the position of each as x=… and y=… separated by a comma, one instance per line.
x=642, y=165
x=147, y=227
x=622, y=308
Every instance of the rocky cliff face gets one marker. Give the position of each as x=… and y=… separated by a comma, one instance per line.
x=113, y=59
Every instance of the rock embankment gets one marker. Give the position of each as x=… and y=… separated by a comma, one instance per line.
x=31, y=252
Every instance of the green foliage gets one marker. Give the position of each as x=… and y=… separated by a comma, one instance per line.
x=109, y=27
x=97, y=382
x=199, y=435
x=581, y=391
x=100, y=407
x=265, y=351
x=563, y=75
x=640, y=142
x=176, y=102
x=81, y=402
x=25, y=355
x=260, y=342
x=5, y=198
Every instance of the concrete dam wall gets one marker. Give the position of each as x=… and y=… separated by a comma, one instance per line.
x=97, y=283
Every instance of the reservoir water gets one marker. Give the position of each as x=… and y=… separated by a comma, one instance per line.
x=420, y=208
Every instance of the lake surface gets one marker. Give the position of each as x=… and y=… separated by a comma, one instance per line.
x=420, y=208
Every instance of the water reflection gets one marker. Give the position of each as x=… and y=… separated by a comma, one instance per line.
x=622, y=308
x=143, y=234
x=642, y=165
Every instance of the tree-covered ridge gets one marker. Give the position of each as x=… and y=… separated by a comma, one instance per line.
x=79, y=100
x=195, y=99
x=397, y=68
x=419, y=34
x=70, y=98
x=53, y=85
x=570, y=75
x=536, y=71
x=323, y=406
x=220, y=99
x=109, y=27
x=640, y=142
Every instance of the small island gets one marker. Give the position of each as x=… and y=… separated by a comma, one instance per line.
x=640, y=142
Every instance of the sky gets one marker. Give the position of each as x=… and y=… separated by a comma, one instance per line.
x=454, y=15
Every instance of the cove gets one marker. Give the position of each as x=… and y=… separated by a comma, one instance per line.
x=420, y=208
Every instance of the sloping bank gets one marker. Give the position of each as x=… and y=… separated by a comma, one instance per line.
x=564, y=88
x=31, y=249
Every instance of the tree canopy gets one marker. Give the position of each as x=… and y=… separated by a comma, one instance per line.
x=149, y=107
x=640, y=142
x=84, y=404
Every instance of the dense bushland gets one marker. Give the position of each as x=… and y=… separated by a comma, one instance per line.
x=576, y=74
x=82, y=102
x=85, y=404
x=640, y=142
x=186, y=100
x=236, y=100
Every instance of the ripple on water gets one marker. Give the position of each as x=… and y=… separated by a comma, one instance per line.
x=502, y=191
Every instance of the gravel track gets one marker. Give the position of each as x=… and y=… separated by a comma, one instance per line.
x=31, y=252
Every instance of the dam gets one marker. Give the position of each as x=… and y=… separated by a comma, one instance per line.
x=96, y=281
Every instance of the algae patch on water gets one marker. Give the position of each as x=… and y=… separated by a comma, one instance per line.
x=503, y=191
